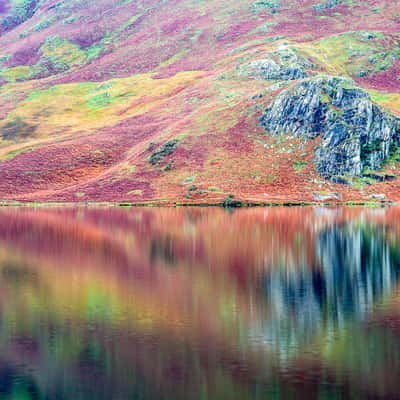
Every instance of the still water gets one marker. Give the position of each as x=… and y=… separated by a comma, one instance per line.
x=196, y=303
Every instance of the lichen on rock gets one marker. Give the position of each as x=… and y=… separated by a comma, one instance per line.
x=356, y=133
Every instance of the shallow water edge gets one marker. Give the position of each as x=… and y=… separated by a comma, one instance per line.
x=240, y=204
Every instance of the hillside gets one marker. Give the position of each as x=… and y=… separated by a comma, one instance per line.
x=198, y=100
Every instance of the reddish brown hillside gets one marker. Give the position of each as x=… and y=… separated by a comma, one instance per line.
x=155, y=100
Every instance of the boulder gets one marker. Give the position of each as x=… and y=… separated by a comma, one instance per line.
x=285, y=63
x=356, y=133
x=379, y=196
x=327, y=196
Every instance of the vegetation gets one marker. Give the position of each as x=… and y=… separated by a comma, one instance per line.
x=163, y=94
x=164, y=150
x=21, y=10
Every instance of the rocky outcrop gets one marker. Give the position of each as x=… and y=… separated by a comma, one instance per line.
x=356, y=133
x=285, y=63
x=159, y=155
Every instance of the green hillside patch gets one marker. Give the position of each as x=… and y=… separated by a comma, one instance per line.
x=379, y=97
x=61, y=54
x=88, y=106
x=19, y=73
x=12, y=154
x=57, y=55
x=356, y=53
x=96, y=49
x=299, y=165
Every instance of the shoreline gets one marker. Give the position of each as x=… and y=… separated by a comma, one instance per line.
x=169, y=204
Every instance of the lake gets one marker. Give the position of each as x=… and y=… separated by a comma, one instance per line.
x=199, y=303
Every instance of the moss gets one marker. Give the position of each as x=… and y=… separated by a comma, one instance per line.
x=299, y=165
x=369, y=148
x=325, y=98
x=214, y=189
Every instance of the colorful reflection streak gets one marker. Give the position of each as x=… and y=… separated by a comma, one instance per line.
x=199, y=303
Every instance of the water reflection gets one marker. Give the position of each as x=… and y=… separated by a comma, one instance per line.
x=199, y=303
x=352, y=271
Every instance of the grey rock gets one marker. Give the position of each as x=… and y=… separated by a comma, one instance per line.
x=284, y=63
x=380, y=177
x=340, y=180
x=361, y=73
x=326, y=196
x=377, y=197
x=356, y=133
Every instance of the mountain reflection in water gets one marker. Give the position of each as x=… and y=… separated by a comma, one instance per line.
x=196, y=303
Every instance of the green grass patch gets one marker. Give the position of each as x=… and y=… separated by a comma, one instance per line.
x=136, y=192
x=299, y=165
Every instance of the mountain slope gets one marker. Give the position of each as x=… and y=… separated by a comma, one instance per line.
x=161, y=100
